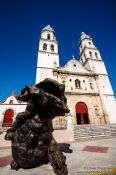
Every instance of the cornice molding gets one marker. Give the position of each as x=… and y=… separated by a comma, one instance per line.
x=49, y=40
x=44, y=67
x=84, y=50
x=48, y=52
x=74, y=73
x=77, y=93
x=91, y=60
x=79, y=43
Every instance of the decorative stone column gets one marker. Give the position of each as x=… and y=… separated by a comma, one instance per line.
x=69, y=121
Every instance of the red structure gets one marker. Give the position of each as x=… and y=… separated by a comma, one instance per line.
x=8, y=118
x=82, y=113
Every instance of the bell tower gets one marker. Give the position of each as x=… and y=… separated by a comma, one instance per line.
x=89, y=55
x=48, y=56
x=91, y=59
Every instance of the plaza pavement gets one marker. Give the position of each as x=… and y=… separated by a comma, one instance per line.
x=83, y=157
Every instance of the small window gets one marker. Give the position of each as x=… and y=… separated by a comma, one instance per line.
x=55, y=64
x=63, y=82
x=74, y=65
x=96, y=55
x=96, y=112
x=11, y=102
x=44, y=46
x=91, y=85
x=70, y=80
x=89, y=43
x=52, y=48
x=90, y=53
x=48, y=36
x=77, y=83
x=71, y=88
x=83, y=81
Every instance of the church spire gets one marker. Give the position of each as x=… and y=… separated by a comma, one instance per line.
x=47, y=54
x=48, y=28
x=87, y=49
x=84, y=35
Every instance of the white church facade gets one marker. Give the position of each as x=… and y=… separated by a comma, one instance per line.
x=87, y=87
x=89, y=93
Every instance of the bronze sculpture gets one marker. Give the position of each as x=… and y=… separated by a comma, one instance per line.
x=31, y=133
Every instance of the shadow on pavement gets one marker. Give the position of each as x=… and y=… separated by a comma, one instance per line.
x=64, y=147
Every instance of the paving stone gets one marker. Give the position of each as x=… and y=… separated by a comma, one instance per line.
x=76, y=158
x=96, y=149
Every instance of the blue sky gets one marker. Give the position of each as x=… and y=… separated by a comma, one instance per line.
x=22, y=20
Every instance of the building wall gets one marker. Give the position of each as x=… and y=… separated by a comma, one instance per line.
x=47, y=59
x=88, y=92
x=92, y=102
x=87, y=82
x=16, y=107
x=43, y=73
x=110, y=104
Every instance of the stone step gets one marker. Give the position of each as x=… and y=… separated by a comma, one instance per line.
x=92, y=134
x=84, y=131
x=90, y=137
x=91, y=131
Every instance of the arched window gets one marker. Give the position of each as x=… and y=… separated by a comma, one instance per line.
x=52, y=48
x=90, y=53
x=96, y=55
x=44, y=46
x=48, y=36
x=77, y=83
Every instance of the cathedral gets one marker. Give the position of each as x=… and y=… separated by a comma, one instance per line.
x=89, y=93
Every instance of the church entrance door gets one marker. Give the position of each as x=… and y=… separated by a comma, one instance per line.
x=8, y=118
x=82, y=113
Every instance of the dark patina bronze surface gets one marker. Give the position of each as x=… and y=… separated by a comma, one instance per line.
x=31, y=133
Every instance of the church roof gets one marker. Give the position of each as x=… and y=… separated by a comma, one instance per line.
x=48, y=28
x=74, y=66
x=11, y=100
x=84, y=36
